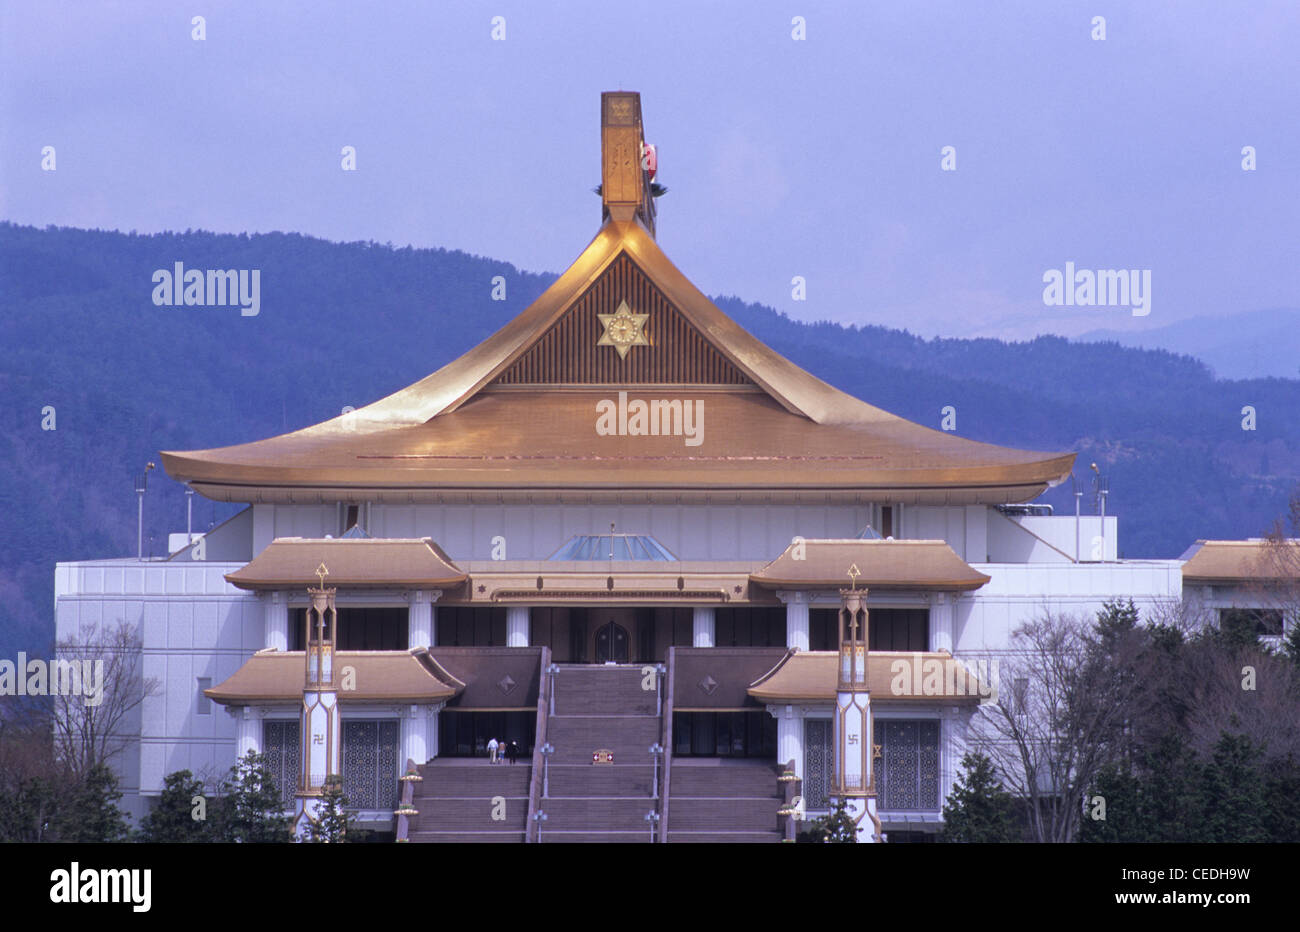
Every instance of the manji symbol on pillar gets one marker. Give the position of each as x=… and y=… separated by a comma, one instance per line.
x=854, y=780
x=320, y=708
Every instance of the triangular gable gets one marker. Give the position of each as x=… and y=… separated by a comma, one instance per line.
x=725, y=351
x=668, y=347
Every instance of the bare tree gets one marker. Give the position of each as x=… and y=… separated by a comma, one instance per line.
x=1066, y=715
x=1275, y=570
x=1241, y=691
x=1188, y=617
x=31, y=781
x=89, y=723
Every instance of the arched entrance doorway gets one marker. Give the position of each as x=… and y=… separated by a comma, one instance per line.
x=612, y=633
x=611, y=643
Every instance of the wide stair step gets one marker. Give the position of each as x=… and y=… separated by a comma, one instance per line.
x=604, y=690
x=598, y=814
x=471, y=815
x=461, y=838
x=596, y=838
x=576, y=737
x=724, y=801
x=458, y=802
x=601, y=780
x=723, y=780
x=473, y=780
x=739, y=815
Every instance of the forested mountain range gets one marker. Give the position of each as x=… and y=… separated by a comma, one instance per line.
x=347, y=323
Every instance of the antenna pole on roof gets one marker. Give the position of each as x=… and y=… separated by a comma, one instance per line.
x=141, y=486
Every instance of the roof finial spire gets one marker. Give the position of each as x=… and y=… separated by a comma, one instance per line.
x=624, y=176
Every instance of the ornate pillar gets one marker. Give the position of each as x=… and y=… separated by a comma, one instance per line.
x=853, y=780
x=704, y=626
x=420, y=617
x=796, y=619
x=517, y=626
x=275, y=614
x=320, y=729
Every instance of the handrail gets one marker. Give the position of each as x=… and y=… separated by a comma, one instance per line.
x=407, y=801
x=545, y=697
x=667, y=732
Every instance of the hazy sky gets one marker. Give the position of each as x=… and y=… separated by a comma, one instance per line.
x=818, y=158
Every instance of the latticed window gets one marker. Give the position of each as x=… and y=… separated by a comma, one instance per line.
x=817, y=762
x=370, y=764
x=280, y=748
x=907, y=775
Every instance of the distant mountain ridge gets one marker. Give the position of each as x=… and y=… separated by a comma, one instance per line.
x=347, y=323
x=1255, y=344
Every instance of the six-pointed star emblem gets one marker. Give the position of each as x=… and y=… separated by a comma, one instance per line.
x=623, y=329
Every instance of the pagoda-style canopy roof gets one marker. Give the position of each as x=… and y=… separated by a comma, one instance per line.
x=401, y=676
x=881, y=564
x=1227, y=562
x=812, y=676
x=517, y=417
x=361, y=562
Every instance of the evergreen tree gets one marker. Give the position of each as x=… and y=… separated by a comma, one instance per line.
x=1170, y=800
x=91, y=813
x=1232, y=793
x=979, y=809
x=1116, y=619
x=1123, y=818
x=1291, y=645
x=331, y=823
x=1238, y=630
x=30, y=811
x=172, y=820
x=250, y=809
x=836, y=828
x=1281, y=790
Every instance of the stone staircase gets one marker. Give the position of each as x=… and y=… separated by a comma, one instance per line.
x=598, y=708
x=601, y=708
x=723, y=800
x=458, y=798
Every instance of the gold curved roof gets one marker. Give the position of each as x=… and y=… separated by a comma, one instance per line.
x=395, y=676
x=788, y=436
x=927, y=676
x=1238, y=561
x=291, y=563
x=898, y=564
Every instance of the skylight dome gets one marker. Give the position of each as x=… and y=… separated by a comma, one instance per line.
x=613, y=547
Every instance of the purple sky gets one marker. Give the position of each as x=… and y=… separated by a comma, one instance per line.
x=818, y=158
